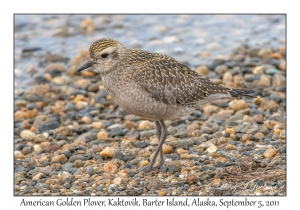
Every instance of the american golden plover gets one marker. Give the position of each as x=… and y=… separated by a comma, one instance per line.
x=152, y=85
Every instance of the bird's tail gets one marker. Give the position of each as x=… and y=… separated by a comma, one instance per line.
x=240, y=92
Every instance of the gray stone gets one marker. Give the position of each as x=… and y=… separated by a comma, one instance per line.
x=141, y=144
x=144, y=135
x=118, y=155
x=73, y=158
x=116, y=132
x=182, y=143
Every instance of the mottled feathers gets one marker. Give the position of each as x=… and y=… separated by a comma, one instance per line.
x=171, y=82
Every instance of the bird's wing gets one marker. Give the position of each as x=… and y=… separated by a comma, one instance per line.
x=172, y=82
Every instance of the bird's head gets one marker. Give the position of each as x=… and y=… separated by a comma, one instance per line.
x=104, y=53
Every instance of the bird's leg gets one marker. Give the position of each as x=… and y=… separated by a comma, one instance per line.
x=162, y=138
x=161, y=155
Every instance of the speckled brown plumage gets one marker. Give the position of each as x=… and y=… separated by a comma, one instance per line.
x=153, y=85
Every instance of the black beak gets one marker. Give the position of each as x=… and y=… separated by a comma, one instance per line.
x=88, y=64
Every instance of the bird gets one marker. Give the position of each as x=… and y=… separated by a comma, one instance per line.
x=153, y=86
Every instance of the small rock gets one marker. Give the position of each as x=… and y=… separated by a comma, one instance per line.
x=282, y=134
x=145, y=135
x=155, y=184
x=118, y=155
x=212, y=149
x=59, y=159
x=191, y=127
x=78, y=163
x=26, y=150
x=279, y=80
x=269, y=153
x=141, y=144
x=39, y=138
x=258, y=118
x=81, y=104
x=202, y=70
x=129, y=124
x=269, y=104
x=73, y=158
x=258, y=70
x=227, y=77
x=209, y=109
x=221, y=69
x=264, y=52
x=264, y=81
x=90, y=170
x=110, y=167
x=220, y=159
x=114, y=126
x=52, y=148
x=166, y=149
x=144, y=163
x=145, y=125
x=93, y=88
x=107, y=152
x=102, y=135
x=162, y=193
x=38, y=176
x=27, y=135
x=238, y=104
x=38, y=149
x=181, y=151
x=230, y=147
x=116, y=132
x=282, y=65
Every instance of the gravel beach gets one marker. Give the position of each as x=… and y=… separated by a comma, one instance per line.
x=72, y=139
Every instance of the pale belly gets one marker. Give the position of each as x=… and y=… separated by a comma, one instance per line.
x=134, y=99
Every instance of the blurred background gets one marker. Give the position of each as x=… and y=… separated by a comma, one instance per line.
x=192, y=39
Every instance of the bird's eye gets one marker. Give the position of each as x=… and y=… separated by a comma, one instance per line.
x=104, y=55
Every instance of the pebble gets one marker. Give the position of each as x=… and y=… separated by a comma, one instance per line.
x=279, y=81
x=202, y=70
x=81, y=104
x=141, y=144
x=102, y=135
x=78, y=163
x=231, y=147
x=209, y=109
x=167, y=149
x=227, y=77
x=118, y=155
x=110, y=167
x=38, y=176
x=129, y=124
x=116, y=132
x=52, y=148
x=73, y=158
x=27, y=135
x=155, y=184
x=264, y=81
x=59, y=159
x=238, y=104
x=145, y=125
x=191, y=128
x=212, y=149
x=269, y=153
x=26, y=150
x=38, y=149
x=269, y=104
x=107, y=152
